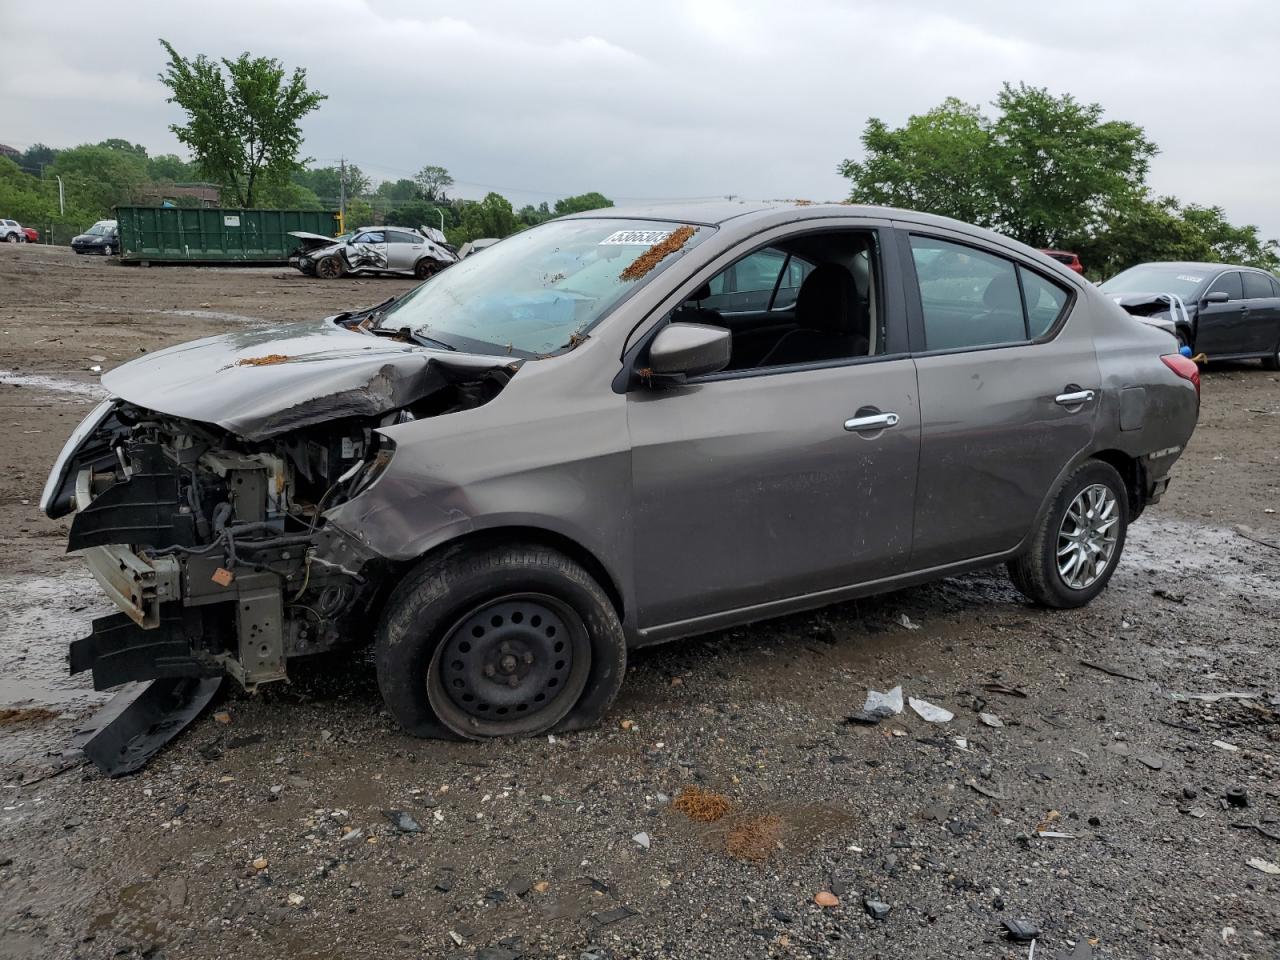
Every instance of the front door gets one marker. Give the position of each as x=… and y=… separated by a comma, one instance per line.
x=793, y=471
x=1222, y=328
x=1009, y=387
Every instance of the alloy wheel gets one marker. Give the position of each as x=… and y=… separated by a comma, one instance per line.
x=1087, y=536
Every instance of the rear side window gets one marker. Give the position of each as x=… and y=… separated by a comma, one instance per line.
x=1228, y=283
x=972, y=299
x=1045, y=302
x=1256, y=286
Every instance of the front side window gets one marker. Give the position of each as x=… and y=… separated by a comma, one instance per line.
x=1256, y=286
x=1228, y=283
x=971, y=298
x=370, y=236
x=540, y=289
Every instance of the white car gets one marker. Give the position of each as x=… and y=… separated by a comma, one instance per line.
x=403, y=250
x=11, y=232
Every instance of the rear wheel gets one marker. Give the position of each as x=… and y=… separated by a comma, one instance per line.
x=1272, y=362
x=1078, y=544
x=1184, y=339
x=107, y=250
x=425, y=268
x=329, y=268
x=501, y=641
x=11, y=238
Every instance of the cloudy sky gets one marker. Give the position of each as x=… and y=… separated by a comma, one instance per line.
x=668, y=98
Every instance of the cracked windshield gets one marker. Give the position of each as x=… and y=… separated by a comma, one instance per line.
x=533, y=293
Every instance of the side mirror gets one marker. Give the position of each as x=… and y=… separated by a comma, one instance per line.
x=1218, y=296
x=689, y=350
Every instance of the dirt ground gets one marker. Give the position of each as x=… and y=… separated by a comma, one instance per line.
x=262, y=830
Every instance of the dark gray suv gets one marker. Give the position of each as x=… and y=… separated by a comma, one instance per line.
x=613, y=430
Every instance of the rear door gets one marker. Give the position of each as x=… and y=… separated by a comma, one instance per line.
x=1262, y=312
x=1221, y=328
x=404, y=249
x=1009, y=386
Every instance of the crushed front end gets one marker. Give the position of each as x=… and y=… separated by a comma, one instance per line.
x=214, y=548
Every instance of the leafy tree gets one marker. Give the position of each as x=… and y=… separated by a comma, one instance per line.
x=416, y=213
x=98, y=178
x=243, y=128
x=37, y=156
x=23, y=197
x=490, y=217
x=581, y=203
x=531, y=216
x=359, y=214
x=326, y=182
x=398, y=192
x=1046, y=170
x=115, y=143
x=938, y=162
x=1229, y=243
x=433, y=182
x=170, y=168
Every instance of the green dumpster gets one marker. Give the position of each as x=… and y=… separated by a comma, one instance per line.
x=216, y=235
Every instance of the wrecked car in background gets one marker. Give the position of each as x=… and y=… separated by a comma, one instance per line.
x=1217, y=311
x=592, y=438
x=373, y=250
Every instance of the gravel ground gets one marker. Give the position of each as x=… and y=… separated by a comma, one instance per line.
x=275, y=826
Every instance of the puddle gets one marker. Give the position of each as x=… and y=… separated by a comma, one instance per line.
x=37, y=381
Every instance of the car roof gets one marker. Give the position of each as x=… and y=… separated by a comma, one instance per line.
x=749, y=216
x=1201, y=265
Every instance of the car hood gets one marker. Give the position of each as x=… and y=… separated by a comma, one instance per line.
x=310, y=242
x=88, y=238
x=262, y=383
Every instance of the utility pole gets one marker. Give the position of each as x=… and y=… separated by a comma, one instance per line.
x=342, y=192
x=62, y=204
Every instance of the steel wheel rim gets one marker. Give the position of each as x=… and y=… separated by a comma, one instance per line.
x=1087, y=536
x=509, y=666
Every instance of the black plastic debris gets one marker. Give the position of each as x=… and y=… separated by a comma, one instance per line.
x=1237, y=796
x=1022, y=931
x=402, y=821
x=613, y=916
x=877, y=909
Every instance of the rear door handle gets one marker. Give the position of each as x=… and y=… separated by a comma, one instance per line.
x=1073, y=399
x=877, y=421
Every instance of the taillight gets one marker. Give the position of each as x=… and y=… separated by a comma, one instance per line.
x=1183, y=367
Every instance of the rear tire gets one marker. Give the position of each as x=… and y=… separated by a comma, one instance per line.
x=465, y=647
x=1039, y=575
x=425, y=268
x=329, y=268
x=11, y=238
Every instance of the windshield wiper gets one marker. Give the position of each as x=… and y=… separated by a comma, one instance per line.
x=427, y=341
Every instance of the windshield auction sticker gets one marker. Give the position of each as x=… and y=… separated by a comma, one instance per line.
x=635, y=238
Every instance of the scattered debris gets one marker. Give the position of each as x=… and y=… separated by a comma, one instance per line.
x=754, y=839
x=222, y=717
x=269, y=360
x=993, y=792
x=1151, y=763
x=883, y=705
x=1109, y=670
x=1223, y=745
x=1005, y=690
x=1263, y=866
x=402, y=821
x=1212, y=697
x=930, y=712
x=1237, y=797
x=908, y=622
x=877, y=909
x=641, y=265
x=260, y=864
x=613, y=916
x=641, y=840
x=296, y=899
x=991, y=720
x=1022, y=931
x=825, y=898
x=1169, y=595
x=704, y=806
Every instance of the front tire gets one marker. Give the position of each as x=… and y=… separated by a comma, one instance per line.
x=499, y=641
x=1078, y=544
x=329, y=268
x=107, y=250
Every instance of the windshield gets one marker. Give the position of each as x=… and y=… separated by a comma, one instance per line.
x=1156, y=278
x=533, y=293
x=99, y=229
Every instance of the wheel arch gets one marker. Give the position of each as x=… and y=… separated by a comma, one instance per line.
x=1131, y=472
x=508, y=535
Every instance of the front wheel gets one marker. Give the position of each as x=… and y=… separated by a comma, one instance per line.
x=1078, y=544
x=500, y=641
x=329, y=268
x=107, y=250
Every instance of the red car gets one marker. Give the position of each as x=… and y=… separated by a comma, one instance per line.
x=1070, y=260
x=33, y=235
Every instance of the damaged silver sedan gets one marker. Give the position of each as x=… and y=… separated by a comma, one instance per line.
x=611, y=430
x=373, y=250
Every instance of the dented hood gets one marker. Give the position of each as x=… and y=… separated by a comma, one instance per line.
x=260, y=383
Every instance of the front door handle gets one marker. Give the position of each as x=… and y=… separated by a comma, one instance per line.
x=1073, y=399
x=876, y=421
